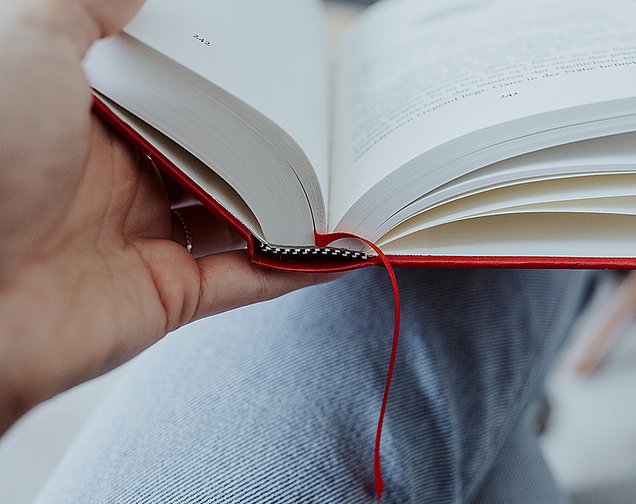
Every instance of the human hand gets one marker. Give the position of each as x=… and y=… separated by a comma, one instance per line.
x=89, y=272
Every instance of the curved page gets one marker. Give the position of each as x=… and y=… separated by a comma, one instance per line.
x=430, y=90
x=242, y=85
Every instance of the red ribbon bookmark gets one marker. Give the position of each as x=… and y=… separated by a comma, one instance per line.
x=323, y=241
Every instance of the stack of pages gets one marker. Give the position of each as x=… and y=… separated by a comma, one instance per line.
x=447, y=132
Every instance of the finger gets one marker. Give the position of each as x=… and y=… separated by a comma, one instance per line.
x=113, y=15
x=88, y=20
x=230, y=280
x=204, y=231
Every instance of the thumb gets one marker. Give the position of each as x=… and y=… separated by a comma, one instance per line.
x=112, y=15
x=88, y=20
x=230, y=280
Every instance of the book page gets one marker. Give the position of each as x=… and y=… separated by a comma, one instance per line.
x=414, y=75
x=271, y=55
x=207, y=179
x=531, y=234
x=579, y=193
x=586, y=160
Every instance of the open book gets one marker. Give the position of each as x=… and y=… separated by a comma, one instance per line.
x=447, y=132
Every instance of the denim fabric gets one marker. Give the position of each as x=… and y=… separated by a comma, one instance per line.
x=278, y=402
x=519, y=473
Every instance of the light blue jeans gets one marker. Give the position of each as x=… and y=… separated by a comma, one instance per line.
x=278, y=402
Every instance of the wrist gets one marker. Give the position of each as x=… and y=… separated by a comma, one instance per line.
x=16, y=378
x=33, y=358
x=14, y=397
x=12, y=407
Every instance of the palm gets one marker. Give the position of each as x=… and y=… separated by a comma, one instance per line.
x=105, y=266
x=92, y=207
x=119, y=221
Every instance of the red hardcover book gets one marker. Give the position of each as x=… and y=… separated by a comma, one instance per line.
x=472, y=136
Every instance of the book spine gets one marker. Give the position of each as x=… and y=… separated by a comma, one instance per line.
x=308, y=252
